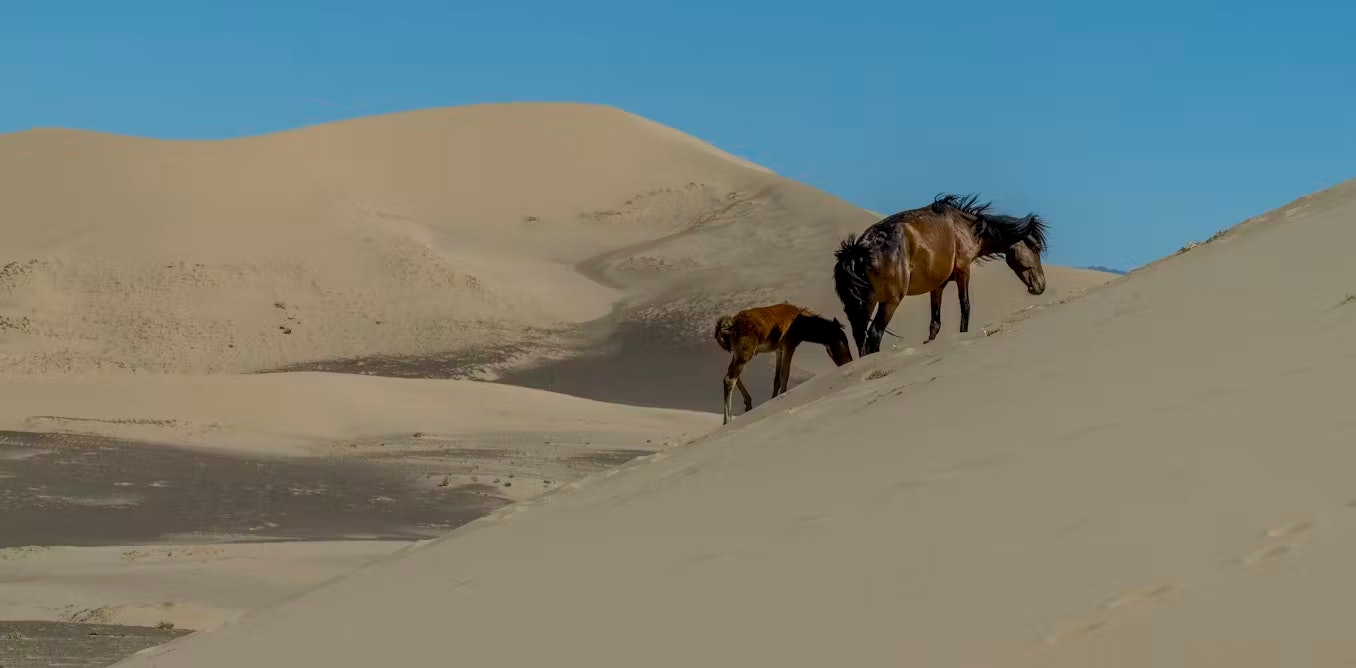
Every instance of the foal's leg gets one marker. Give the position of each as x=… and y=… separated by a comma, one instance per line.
x=936, y=325
x=732, y=380
x=963, y=287
x=777, y=373
x=736, y=366
x=784, y=369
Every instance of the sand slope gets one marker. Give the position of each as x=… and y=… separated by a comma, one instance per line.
x=306, y=413
x=572, y=248
x=1157, y=474
x=191, y=586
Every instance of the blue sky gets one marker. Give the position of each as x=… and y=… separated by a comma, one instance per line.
x=1133, y=126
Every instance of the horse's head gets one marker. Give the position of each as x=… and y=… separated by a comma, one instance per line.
x=1024, y=259
x=838, y=348
x=1021, y=241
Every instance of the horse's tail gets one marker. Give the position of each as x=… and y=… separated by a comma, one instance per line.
x=850, y=279
x=725, y=332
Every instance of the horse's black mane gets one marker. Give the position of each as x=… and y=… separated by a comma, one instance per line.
x=966, y=204
x=1030, y=228
x=1000, y=230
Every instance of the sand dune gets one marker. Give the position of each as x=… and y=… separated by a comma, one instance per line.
x=1155, y=474
x=573, y=248
x=188, y=330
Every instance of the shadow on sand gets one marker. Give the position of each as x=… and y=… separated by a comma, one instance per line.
x=643, y=364
x=63, y=489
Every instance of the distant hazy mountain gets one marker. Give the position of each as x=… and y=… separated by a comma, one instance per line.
x=1106, y=269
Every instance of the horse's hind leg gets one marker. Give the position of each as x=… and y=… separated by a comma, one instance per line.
x=884, y=313
x=936, y=325
x=963, y=287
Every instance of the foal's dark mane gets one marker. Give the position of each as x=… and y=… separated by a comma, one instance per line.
x=999, y=231
x=815, y=328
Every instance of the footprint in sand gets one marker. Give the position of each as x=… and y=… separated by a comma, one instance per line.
x=1258, y=556
x=1074, y=631
x=1137, y=597
x=1080, y=629
x=1272, y=551
x=1288, y=528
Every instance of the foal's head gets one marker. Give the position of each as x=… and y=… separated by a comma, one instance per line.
x=829, y=333
x=838, y=348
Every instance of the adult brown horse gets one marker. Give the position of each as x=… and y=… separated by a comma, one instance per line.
x=920, y=251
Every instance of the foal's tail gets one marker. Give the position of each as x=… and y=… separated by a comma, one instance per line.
x=725, y=332
x=850, y=271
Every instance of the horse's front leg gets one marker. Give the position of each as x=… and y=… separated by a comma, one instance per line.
x=963, y=288
x=936, y=325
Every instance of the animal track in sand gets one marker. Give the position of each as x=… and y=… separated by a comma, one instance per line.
x=1112, y=608
x=1138, y=597
x=1258, y=556
x=1272, y=551
x=1288, y=528
x=1074, y=631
